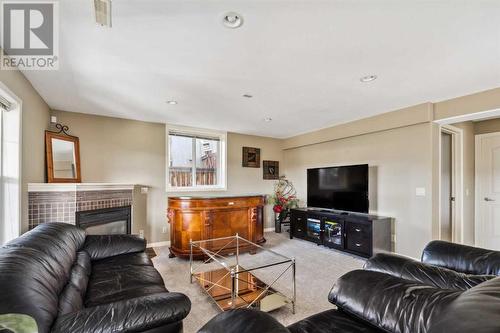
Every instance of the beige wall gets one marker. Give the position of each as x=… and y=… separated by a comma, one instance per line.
x=479, y=102
x=35, y=118
x=400, y=161
x=417, y=114
x=127, y=151
x=487, y=126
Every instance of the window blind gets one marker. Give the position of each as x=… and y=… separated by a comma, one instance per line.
x=194, y=136
x=5, y=104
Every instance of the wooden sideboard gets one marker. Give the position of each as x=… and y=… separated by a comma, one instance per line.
x=202, y=218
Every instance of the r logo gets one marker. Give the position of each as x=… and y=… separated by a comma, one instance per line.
x=28, y=28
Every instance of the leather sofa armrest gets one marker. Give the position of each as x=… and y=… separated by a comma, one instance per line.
x=462, y=258
x=390, y=303
x=413, y=270
x=243, y=321
x=105, y=246
x=133, y=315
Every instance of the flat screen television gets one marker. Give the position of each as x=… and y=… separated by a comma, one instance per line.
x=341, y=188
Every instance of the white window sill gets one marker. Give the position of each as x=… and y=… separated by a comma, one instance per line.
x=196, y=189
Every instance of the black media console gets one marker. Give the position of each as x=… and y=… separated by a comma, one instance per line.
x=356, y=233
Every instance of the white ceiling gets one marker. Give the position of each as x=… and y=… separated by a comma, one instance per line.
x=301, y=60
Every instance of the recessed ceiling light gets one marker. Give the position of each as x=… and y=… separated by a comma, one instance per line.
x=248, y=96
x=368, y=78
x=232, y=20
x=268, y=119
x=172, y=102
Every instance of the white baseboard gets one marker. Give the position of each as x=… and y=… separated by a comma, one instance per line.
x=158, y=244
x=268, y=229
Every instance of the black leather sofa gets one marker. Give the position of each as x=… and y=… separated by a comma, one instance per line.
x=73, y=283
x=454, y=288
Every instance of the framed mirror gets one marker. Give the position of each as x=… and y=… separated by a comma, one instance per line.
x=63, y=158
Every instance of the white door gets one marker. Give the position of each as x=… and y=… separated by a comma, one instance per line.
x=488, y=191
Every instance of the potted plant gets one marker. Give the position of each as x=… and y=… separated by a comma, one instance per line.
x=283, y=199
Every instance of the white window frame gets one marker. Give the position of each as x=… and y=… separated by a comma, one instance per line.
x=222, y=165
x=16, y=208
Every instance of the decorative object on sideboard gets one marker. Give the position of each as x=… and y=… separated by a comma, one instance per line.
x=271, y=169
x=283, y=199
x=62, y=156
x=251, y=157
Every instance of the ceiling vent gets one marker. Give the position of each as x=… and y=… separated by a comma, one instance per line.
x=102, y=9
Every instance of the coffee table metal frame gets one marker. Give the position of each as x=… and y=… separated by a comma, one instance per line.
x=235, y=270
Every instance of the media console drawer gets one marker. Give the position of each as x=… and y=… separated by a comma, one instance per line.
x=359, y=245
x=360, y=234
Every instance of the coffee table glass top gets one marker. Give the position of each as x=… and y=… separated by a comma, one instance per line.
x=227, y=252
x=238, y=273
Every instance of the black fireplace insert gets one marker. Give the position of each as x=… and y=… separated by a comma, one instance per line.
x=105, y=221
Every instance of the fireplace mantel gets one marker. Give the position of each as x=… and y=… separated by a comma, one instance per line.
x=71, y=187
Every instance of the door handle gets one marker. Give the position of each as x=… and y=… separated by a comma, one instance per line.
x=488, y=199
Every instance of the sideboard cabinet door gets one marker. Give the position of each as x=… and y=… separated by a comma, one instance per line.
x=228, y=222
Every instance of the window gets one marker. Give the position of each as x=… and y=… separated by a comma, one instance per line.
x=196, y=160
x=10, y=186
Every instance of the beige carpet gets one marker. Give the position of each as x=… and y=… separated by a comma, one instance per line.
x=317, y=269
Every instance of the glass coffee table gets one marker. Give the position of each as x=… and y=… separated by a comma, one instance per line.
x=238, y=273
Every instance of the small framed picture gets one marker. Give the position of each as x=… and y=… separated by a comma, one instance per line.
x=251, y=157
x=271, y=169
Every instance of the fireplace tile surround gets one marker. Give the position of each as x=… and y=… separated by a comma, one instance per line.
x=60, y=202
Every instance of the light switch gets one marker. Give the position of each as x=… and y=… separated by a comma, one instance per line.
x=420, y=191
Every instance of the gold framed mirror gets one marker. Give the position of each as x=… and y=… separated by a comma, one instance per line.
x=63, y=157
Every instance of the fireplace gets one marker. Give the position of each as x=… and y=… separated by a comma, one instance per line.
x=105, y=221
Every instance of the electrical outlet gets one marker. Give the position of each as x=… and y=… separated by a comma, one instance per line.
x=141, y=233
x=164, y=230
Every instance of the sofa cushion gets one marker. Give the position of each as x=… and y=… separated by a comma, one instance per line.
x=331, y=321
x=141, y=314
x=243, y=321
x=462, y=258
x=131, y=259
x=71, y=298
x=34, y=270
x=410, y=269
x=116, y=279
x=476, y=310
x=390, y=303
x=106, y=246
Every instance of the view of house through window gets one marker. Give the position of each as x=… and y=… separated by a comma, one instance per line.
x=194, y=161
